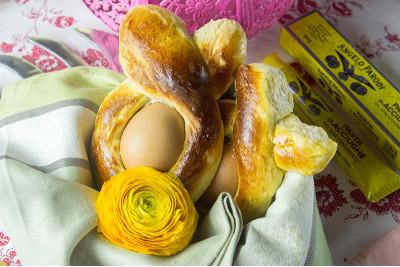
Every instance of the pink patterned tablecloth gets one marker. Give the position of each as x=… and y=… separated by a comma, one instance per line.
x=350, y=222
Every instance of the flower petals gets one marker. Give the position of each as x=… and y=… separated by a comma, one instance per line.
x=146, y=211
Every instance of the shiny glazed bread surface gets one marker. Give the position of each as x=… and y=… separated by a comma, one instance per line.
x=163, y=64
x=263, y=98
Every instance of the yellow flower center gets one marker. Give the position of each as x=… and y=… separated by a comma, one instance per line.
x=148, y=204
x=146, y=211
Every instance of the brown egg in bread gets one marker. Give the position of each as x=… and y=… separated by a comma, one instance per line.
x=226, y=179
x=163, y=64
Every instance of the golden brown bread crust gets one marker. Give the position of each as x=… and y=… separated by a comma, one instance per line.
x=157, y=52
x=223, y=45
x=228, y=111
x=262, y=99
x=114, y=114
x=163, y=65
x=300, y=147
x=267, y=138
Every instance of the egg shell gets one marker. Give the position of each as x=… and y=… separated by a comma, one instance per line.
x=154, y=137
x=225, y=180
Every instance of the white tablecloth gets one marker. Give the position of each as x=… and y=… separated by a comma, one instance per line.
x=350, y=222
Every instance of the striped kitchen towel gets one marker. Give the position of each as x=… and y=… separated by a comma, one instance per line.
x=47, y=199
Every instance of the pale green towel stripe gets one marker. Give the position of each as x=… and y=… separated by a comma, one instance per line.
x=60, y=163
x=24, y=115
x=90, y=83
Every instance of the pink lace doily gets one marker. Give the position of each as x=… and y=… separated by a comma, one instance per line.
x=253, y=15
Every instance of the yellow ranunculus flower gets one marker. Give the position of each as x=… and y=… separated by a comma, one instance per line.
x=146, y=211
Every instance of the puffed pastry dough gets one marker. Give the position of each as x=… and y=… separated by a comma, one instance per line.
x=163, y=64
x=267, y=138
x=263, y=98
x=300, y=147
x=223, y=45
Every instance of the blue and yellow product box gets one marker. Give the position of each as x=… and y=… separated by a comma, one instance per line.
x=362, y=91
x=354, y=154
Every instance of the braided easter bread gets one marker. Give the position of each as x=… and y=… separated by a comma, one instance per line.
x=299, y=147
x=263, y=98
x=163, y=64
x=267, y=140
x=223, y=45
